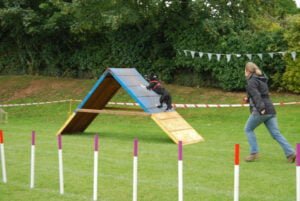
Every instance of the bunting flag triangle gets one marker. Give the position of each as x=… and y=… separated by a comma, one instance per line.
x=209, y=56
x=218, y=57
x=282, y=53
x=228, y=56
x=249, y=56
x=294, y=54
x=193, y=54
x=200, y=54
x=178, y=51
x=271, y=54
x=260, y=55
x=185, y=52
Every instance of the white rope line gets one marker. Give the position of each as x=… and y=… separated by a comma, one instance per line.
x=136, y=104
x=205, y=105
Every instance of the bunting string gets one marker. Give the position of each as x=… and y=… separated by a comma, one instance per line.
x=228, y=56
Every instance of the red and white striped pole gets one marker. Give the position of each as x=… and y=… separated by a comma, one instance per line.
x=4, y=178
x=32, y=164
x=298, y=171
x=60, y=165
x=180, y=172
x=95, y=186
x=236, y=171
x=135, y=169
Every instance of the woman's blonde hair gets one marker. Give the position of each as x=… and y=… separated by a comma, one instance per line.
x=253, y=68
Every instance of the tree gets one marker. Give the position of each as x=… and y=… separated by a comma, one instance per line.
x=81, y=38
x=291, y=76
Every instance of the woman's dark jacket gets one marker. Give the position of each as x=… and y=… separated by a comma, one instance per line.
x=258, y=94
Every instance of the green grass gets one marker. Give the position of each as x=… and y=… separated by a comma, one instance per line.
x=208, y=166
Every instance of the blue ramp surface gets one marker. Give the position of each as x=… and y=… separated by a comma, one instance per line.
x=132, y=81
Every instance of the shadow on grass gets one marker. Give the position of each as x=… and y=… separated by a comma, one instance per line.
x=163, y=139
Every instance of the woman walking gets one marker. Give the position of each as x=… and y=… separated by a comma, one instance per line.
x=262, y=111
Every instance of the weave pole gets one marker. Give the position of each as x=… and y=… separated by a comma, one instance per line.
x=298, y=172
x=4, y=178
x=32, y=161
x=60, y=165
x=236, y=171
x=135, y=169
x=180, y=172
x=95, y=186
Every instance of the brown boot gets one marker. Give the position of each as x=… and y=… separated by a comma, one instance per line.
x=291, y=158
x=252, y=157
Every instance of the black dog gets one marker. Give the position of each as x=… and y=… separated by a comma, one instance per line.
x=165, y=96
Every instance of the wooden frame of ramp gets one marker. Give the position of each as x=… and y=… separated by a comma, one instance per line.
x=134, y=84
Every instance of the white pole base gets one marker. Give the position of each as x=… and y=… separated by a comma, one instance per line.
x=298, y=182
x=135, y=177
x=3, y=163
x=95, y=186
x=61, y=176
x=236, y=182
x=180, y=180
x=32, y=166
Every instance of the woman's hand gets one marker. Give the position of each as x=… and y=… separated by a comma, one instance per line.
x=263, y=111
x=245, y=100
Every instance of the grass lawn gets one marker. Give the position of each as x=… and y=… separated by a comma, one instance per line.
x=208, y=166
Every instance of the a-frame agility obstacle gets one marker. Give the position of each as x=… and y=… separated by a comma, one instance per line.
x=134, y=84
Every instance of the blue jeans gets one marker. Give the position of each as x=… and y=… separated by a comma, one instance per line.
x=270, y=122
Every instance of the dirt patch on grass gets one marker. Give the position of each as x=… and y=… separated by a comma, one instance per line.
x=33, y=88
x=39, y=88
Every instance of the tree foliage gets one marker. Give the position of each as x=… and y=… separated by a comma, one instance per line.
x=81, y=38
x=291, y=76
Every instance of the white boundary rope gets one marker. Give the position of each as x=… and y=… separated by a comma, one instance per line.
x=136, y=104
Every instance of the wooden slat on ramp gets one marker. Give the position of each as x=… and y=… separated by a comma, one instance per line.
x=176, y=127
